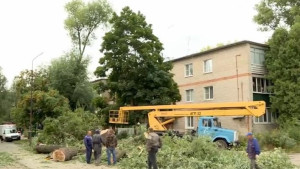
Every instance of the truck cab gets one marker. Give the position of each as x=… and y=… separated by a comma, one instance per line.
x=8, y=132
x=210, y=126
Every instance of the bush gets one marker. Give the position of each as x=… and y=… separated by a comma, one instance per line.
x=68, y=128
x=274, y=160
x=122, y=135
x=294, y=133
x=276, y=138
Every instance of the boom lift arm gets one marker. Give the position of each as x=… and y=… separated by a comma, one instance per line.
x=161, y=115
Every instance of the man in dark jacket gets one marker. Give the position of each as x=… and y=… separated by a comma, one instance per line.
x=97, y=146
x=89, y=146
x=253, y=150
x=153, y=144
x=111, y=144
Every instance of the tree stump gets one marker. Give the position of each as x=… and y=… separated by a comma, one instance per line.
x=64, y=154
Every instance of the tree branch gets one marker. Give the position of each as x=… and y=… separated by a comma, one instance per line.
x=86, y=39
x=79, y=41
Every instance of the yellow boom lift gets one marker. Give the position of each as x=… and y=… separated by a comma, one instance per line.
x=161, y=115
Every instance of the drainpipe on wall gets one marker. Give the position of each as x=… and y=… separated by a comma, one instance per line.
x=237, y=77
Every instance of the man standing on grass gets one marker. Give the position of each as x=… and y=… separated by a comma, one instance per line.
x=89, y=146
x=153, y=144
x=253, y=150
x=97, y=146
x=111, y=144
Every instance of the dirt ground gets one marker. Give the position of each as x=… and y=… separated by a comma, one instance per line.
x=295, y=158
x=29, y=160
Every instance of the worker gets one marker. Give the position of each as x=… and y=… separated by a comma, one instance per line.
x=97, y=146
x=88, y=142
x=152, y=146
x=253, y=151
x=111, y=144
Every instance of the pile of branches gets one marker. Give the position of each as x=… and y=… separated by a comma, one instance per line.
x=192, y=152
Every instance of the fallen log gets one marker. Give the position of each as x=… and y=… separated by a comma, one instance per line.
x=120, y=154
x=64, y=154
x=46, y=149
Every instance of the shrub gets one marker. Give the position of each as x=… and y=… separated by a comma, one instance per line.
x=294, y=133
x=274, y=160
x=276, y=138
x=68, y=128
x=122, y=135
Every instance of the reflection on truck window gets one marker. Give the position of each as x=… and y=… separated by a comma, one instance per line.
x=217, y=123
x=9, y=131
x=206, y=123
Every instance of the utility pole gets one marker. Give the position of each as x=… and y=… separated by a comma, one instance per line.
x=31, y=102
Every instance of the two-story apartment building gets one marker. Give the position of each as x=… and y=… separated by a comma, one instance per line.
x=229, y=73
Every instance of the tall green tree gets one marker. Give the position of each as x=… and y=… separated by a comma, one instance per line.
x=137, y=73
x=277, y=13
x=283, y=65
x=68, y=75
x=6, y=100
x=46, y=101
x=283, y=57
x=83, y=19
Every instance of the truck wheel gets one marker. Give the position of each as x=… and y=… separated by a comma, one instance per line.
x=222, y=144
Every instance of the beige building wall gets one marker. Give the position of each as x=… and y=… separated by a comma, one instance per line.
x=230, y=78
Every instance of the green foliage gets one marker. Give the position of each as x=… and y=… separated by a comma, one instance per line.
x=197, y=153
x=100, y=102
x=69, y=128
x=6, y=159
x=294, y=133
x=132, y=54
x=122, y=135
x=277, y=13
x=68, y=75
x=6, y=99
x=275, y=160
x=104, y=112
x=276, y=138
x=37, y=79
x=282, y=62
x=83, y=19
x=45, y=104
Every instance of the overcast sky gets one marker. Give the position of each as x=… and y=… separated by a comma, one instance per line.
x=183, y=26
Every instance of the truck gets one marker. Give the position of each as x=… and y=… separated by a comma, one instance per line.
x=160, y=116
x=8, y=132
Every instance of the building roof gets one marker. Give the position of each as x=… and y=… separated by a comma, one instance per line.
x=220, y=48
x=99, y=80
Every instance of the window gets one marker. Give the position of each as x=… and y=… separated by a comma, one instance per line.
x=206, y=123
x=261, y=85
x=207, y=66
x=257, y=56
x=189, y=95
x=189, y=70
x=268, y=117
x=189, y=122
x=208, y=93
